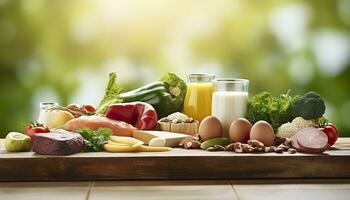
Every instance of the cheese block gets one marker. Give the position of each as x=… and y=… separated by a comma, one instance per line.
x=159, y=138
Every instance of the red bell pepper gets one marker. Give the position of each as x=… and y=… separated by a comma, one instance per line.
x=141, y=115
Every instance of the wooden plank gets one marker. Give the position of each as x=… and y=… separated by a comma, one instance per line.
x=176, y=164
x=292, y=189
x=156, y=190
x=44, y=190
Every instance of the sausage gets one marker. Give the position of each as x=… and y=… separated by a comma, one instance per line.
x=310, y=140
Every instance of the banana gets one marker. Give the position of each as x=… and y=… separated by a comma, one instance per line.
x=126, y=140
x=153, y=149
x=117, y=148
x=215, y=141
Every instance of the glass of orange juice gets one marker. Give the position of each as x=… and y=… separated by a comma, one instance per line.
x=198, y=98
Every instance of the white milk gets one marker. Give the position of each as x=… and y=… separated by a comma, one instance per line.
x=228, y=106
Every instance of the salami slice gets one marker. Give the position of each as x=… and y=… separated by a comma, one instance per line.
x=310, y=140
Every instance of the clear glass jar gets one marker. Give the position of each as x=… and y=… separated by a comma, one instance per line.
x=45, y=115
x=198, y=96
x=230, y=98
x=47, y=105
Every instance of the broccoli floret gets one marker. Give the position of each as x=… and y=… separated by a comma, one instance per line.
x=309, y=106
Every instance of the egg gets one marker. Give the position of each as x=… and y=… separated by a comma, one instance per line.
x=263, y=132
x=240, y=130
x=210, y=127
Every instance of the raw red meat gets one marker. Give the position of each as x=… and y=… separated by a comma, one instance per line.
x=59, y=142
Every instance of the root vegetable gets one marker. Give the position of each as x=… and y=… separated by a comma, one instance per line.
x=310, y=140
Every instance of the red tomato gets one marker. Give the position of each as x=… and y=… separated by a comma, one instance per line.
x=89, y=108
x=332, y=133
x=34, y=128
x=333, y=125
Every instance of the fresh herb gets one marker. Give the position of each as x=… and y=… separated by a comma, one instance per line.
x=94, y=140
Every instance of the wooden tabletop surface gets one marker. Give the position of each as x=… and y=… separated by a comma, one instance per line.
x=177, y=164
x=232, y=189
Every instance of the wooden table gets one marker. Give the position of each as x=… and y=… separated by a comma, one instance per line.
x=174, y=165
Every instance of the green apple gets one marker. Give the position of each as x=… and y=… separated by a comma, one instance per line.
x=16, y=142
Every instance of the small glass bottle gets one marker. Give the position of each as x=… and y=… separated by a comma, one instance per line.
x=45, y=116
x=198, y=98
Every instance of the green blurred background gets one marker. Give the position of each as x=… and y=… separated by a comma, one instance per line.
x=63, y=50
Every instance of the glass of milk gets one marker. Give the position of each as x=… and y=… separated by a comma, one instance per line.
x=230, y=98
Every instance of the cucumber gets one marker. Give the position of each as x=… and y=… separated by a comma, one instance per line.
x=215, y=141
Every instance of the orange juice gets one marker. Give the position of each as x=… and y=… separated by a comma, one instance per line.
x=198, y=100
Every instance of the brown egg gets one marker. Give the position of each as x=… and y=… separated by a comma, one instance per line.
x=240, y=130
x=263, y=132
x=210, y=127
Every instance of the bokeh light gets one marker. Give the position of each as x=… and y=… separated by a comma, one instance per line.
x=61, y=50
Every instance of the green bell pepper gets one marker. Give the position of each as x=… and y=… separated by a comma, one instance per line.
x=166, y=96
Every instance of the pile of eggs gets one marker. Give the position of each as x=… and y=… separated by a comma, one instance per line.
x=241, y=130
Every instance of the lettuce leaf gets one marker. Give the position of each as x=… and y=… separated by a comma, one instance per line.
x=94, y=140
x=112, y=91
x=274, y=110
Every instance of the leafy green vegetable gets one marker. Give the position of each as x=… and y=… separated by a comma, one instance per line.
x=95, y=139
x=176, y=87
x=112, y=91
x=310, y=106
x=166, y=96
x=275, y=110
x=283, y=109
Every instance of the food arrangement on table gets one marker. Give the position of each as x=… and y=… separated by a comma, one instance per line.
x=204, y=113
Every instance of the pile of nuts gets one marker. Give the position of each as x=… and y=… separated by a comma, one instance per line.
x=255, y=146
x=191, y=142
x=252, y=146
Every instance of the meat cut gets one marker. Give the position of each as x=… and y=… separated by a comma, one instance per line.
x=58, y=142
x=119, y=128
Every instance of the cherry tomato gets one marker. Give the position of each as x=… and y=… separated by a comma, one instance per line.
x=333, y=125
x=34, y=128
x=332, y=133
x=89, y=108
